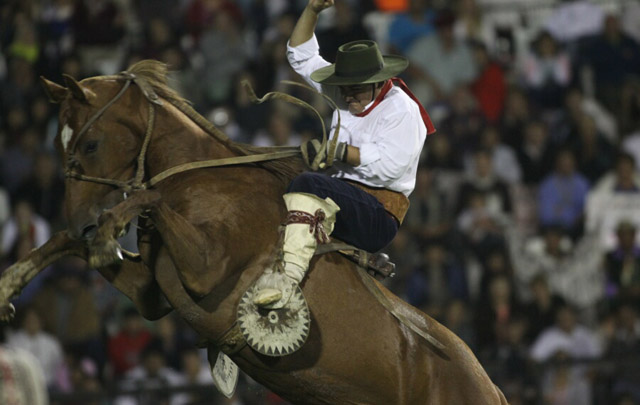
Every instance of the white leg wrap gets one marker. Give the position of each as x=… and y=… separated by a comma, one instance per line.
x=299, y=242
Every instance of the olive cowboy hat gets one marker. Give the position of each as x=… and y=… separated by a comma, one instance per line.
x=360, y=62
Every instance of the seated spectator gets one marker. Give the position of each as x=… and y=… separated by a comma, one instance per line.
x=458, y=319
x=429, y=216
x=516, y=116
x=440, y=63
x=347, y=27
x=577, y=105
x=622, y=265
x=563, y=384
x=44, y=189
x=574, y=271
x=438, y=279
x=406, y=28
x=614, y=59
x=151, y=373
x=594, y=153
x=535, y=153
x=472, y=25
x=489, y=87
x=542, y=310
x=625, y=345
x=21, y=375
x=45, y=347
x=195, y=371
x=464, y=120
x=503, y=158
x=483, y=180
x=562, y=195
x=126, y=346
x=567, y=336
x=440, y=154
x=493, y=315
x=481, y=225
x=545, y=72
x=68, y=309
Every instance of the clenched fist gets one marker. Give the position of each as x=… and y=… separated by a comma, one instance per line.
x=318, y=5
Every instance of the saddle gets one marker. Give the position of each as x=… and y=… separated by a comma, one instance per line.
x=377, y=265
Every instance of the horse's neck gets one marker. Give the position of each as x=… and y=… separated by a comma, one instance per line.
x=177, y=139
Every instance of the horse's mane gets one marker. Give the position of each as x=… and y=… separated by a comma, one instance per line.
x=155, y=74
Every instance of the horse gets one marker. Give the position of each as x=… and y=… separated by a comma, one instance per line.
x=132, y=148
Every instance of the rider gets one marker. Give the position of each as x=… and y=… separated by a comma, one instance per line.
x=383, y=129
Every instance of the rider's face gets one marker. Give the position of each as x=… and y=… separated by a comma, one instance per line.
x=357, y=96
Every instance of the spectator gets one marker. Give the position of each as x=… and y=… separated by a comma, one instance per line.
x=406, y=28
x=471, y=24
x=625, y=346
x=152, y=373
x=68, y=309
x=438, y=279
x=346, y=28
x=126, y=346
x=43, y=187
x=489, y=87
x=25, y=230
x=516, y=116
x=542, y=310
x=21, y=379
x=503, y=158
x=615, y=60
x=566, y=336
x=594, y=153
x=440, y=63
x=546, y=72
x=576, y=106
x=562, y=195
x=429, y=216
x=623, y=265
x=44, y=347
x=494, y=314
x=535, y=153
x=482, y=180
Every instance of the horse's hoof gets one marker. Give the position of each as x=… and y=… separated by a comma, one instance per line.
x=7, y=312
x=105, y=254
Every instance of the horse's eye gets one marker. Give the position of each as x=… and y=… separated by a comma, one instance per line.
x=89, y=147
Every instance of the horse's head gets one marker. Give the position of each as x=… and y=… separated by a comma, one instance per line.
x=102, y=123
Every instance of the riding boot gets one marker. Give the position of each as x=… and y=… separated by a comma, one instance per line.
x=310, y=221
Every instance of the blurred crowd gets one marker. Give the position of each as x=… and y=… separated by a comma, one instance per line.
x=521, y=236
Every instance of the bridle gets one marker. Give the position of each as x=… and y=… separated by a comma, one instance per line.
x=137, y=182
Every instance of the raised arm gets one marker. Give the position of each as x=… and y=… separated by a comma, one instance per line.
x=306, y=25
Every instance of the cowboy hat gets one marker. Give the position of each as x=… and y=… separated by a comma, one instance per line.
x=360, y=62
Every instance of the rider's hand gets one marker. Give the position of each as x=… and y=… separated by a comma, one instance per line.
x=318, y=5
x=310, y=151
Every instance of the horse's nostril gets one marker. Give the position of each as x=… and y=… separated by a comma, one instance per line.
x=89, y=232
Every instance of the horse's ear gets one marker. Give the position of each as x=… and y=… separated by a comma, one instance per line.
x=78, y=91
x=55, y=92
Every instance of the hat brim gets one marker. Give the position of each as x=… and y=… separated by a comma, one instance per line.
x=393, y=65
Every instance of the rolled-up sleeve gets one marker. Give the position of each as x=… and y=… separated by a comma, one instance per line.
x=305, y=59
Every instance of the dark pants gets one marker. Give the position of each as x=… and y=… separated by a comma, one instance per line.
x=362, y=220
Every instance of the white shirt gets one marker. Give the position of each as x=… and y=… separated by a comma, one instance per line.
x=44, y=347
x=390, y=137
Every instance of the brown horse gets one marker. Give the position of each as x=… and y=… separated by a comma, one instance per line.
x=207, y=234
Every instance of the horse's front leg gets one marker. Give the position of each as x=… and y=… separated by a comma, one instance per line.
x=15, y=277
x=104, y=250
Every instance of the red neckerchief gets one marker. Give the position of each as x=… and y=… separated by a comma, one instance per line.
x=385, y=89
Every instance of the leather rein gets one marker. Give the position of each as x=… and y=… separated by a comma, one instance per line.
x=137, y=182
